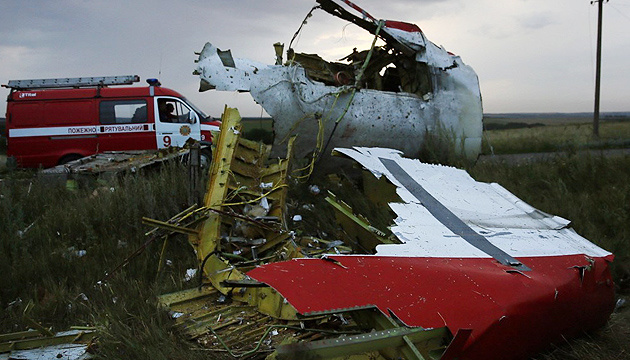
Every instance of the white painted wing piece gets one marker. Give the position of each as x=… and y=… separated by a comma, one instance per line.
x=490, y=210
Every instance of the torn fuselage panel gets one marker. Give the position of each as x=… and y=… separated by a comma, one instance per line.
x=409, y=88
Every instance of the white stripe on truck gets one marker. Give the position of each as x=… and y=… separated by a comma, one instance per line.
x=80, y=130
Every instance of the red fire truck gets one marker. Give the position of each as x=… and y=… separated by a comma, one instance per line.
x=54, y=121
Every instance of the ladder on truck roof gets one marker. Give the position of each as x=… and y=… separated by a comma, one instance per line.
x=71, y=82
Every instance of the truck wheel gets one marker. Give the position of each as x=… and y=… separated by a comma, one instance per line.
x=205, y=158
x=68, y=158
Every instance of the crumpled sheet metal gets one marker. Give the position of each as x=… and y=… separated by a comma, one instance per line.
x=512, y=313
x=412, y=37
x=64, y=352
x=451, y=109
x=374, y=118
x=31, y=344
x=116, y=161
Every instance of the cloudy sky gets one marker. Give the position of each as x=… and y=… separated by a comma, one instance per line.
x=530, y=55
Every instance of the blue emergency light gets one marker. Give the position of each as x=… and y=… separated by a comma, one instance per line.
x=153, y=82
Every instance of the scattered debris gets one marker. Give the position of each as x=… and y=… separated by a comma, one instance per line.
x=113, y=162
x=33, y=344
x=21, y=233
x=239, y=314
x=465, y=267
x=190, y=274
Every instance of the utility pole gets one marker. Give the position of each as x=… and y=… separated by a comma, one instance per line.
x=598, y=66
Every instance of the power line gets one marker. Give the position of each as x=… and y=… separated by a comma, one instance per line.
x=619, y=11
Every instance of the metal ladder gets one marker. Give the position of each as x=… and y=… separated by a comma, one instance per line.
x=71, y=82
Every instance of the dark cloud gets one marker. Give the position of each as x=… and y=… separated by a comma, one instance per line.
x=68, y=38
x=44, y=38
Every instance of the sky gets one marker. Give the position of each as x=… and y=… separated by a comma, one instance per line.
x=530, y=55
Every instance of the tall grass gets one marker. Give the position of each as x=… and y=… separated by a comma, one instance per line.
x=555, y=138
x=591, y=191
x=608, y=343
x=594, y=193
x=57, y=244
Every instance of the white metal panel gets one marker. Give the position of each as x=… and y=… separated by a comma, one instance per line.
x=491, y=211
x=373, y=117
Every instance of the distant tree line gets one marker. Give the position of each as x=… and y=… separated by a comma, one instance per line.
x=510, y=125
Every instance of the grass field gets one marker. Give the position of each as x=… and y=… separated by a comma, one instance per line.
x=560, y=137
x=56, y=245
x=553, y=118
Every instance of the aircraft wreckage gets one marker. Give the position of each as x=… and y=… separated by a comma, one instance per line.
x=407, y=86
x=458, y=269
x=466, y=270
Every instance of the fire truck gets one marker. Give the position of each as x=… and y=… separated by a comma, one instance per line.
x=55, y=121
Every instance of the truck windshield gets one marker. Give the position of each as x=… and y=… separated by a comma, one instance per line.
x=197, y=110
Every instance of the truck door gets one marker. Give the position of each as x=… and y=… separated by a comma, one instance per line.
x=124, y=125
x=175, y=122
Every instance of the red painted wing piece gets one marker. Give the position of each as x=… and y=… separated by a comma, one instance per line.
x=510, y=313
